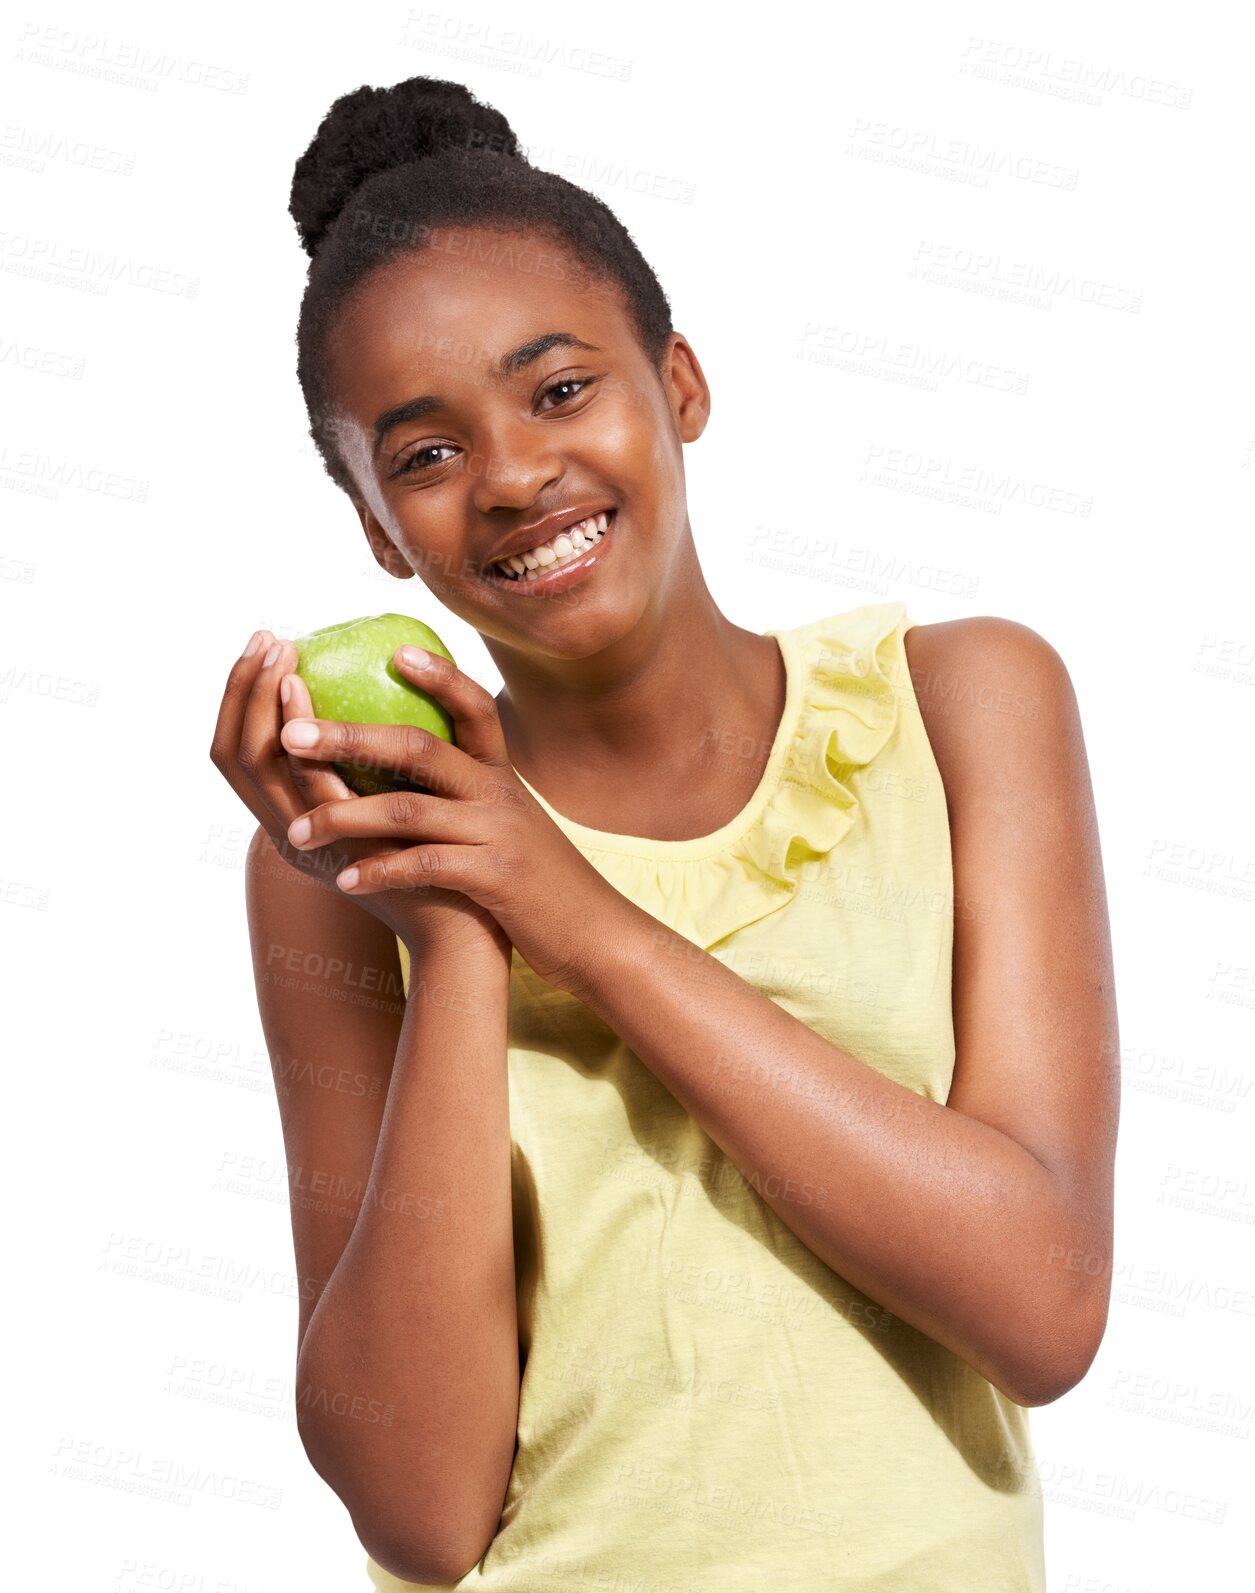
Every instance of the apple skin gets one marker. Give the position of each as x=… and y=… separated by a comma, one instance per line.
x=349, y=672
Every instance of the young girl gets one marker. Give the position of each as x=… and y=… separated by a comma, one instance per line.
x=738, y=1167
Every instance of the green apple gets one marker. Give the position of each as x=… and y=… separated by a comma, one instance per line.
x=351, y=676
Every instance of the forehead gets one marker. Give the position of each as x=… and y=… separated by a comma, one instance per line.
x=443, y=316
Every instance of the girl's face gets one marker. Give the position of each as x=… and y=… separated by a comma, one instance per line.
x=486, y=383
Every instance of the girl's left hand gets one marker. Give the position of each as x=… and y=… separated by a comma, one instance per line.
x=479, y=831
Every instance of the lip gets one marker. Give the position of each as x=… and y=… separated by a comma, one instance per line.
x=544, y=530
x=570, y=574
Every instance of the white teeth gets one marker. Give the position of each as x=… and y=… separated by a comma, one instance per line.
x=565, y=546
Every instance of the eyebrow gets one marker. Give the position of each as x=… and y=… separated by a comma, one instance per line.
x=508, y=365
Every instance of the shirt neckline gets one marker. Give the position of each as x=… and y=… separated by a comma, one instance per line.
x=698, y=846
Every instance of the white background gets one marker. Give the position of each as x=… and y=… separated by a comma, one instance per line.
x=791, y=177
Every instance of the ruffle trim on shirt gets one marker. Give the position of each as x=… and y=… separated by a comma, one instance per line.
x=850, y=671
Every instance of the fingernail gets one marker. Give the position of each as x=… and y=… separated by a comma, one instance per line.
x=300, y=733
x=285, y=688
x=271, y=655
x=299, y=831
x=254, y=642
x=415, y=658
x=348, y=879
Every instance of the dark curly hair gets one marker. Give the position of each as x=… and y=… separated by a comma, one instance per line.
x=421, y=154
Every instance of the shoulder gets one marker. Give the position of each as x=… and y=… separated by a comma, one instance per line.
x=955, y=657
x=992, y=693
x=297, y=920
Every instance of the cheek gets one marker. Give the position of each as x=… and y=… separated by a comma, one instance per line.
x=442, y=567
x=618, y=433
x=640, y=442
x=667, y=469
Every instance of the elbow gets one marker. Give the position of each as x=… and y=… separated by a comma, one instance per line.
x=428, y=1564
x=1039, y=1386
x=1057, y=1359
x=423, y=1522
x=405, y=1551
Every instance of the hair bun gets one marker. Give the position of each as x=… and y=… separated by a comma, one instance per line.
x=371, y=129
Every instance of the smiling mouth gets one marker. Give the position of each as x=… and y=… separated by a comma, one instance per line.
x=594, y=532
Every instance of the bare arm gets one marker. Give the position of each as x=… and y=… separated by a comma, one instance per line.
x=985, y=1223
x=396, y=1117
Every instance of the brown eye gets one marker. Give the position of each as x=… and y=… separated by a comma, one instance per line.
x=418, y=460
x=579, y=383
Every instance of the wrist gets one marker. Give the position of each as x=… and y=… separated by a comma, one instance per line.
x=625, y=939
x=470, y=952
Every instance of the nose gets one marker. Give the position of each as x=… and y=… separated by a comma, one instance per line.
x=516, y=466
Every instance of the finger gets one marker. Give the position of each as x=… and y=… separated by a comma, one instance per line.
x=454, y=868
x=476, y=723
x=406, y=814
x=317, y=782
x=224, y=749
x=397, y=751
x=263, y=757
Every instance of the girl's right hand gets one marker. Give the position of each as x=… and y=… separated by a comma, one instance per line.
x=277, y=786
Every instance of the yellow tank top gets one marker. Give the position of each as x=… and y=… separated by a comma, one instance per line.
x=705, y=1405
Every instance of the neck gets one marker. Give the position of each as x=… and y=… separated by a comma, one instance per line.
x=658, y=703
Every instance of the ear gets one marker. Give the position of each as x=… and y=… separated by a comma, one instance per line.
x=686, y=387
x=382, y=546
